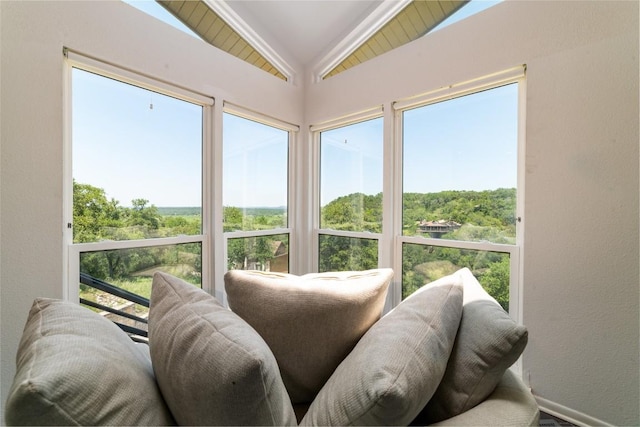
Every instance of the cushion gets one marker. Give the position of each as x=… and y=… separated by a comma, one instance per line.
x=75, y=367
x=397, y=365
x=487, y=344
x=211, y=366
x=310, y=322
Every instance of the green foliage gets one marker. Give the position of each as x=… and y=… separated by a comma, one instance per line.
x=483, y=215
x=422, y=264
x=95, y=218
x=495, y=281
x=355, y=212
x=236, y=219
x=92, y=213
x=339, y=253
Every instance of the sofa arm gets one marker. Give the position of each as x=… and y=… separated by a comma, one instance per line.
x=510, y=404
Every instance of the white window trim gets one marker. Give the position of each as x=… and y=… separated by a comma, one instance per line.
x=103, y=68
x=494, y=80
x=72, y=251
x=316, y=130
x=501, y=78
x=292, y=207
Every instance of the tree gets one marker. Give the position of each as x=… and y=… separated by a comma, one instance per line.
x=140, y=214
x=92, y=213
x=232, y=218
x=496, y=281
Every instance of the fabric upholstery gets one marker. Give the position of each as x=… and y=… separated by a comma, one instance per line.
x=395, y=368
x=511, y=404
x=310, y=322
x=487, y=344
x=75, y=367
x=211, y=366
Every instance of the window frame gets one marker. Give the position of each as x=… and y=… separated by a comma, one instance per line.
x=293, y=131
x=72, y=252
x=316, y=130
x=514, y=75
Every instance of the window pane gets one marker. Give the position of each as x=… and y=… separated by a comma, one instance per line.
x=339, y=253
x=351, y=177
x=132, y=270
x=460, y=167
x=137, y=155
x=422, y=264
x=264, y=253
x=256, y=158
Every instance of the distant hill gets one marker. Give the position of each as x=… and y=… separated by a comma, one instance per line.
x=257, y=211
x=188, y=211
x=179, y=211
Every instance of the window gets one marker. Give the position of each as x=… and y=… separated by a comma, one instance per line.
x=460, y=188
x=137, y=162
x=350, y=193
x=256, y=191
x=136, y=187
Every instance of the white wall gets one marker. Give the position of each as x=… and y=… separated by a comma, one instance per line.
x=581, y=258
x=581, y=251
x=32, y=37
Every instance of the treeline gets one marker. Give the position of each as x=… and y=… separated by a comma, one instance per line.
x=483, y=215
x=487, y=215
x=97, y=218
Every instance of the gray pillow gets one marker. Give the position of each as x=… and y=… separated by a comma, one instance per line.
x=397, y=365
x=75, y=367
x=211, y=366
x=487, y=344
x=310, y=322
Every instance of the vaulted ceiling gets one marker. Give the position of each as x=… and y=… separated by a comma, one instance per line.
x=282, y=36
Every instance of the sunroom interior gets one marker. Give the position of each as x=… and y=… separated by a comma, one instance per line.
x=569, y=249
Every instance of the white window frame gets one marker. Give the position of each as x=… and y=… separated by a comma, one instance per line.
x=72, y=251
x=293, y=131
x=316, y=130
x=513, y=75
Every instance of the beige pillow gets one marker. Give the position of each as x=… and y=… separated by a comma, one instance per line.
x=310, y=322
x=487, y=344
x=211, y=366
x=397, y=365
x=75, y=367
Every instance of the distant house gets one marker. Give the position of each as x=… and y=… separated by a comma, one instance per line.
x=279, y=261
x=437, y=228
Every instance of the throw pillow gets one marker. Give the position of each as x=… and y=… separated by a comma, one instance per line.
x=395, y=368
x=211, y=366
x=75, y=367
x=487, y=344
x=310, y=322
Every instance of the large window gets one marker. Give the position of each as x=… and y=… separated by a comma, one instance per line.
x=137, y=162
x=350, y=205
x=459, y=189
x=136, y=187
x=256, y=192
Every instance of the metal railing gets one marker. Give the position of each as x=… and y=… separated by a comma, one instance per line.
x=136, y=333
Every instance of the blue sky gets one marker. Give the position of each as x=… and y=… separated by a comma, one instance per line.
x=351, y=160
x=134, y=143
x=468, y=143
x=255, y=164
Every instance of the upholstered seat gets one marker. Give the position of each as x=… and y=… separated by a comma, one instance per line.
x=440, y=357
